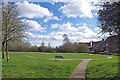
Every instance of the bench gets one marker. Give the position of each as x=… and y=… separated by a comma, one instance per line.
x=59, y=57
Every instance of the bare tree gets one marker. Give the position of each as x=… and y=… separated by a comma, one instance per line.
x=12, y=26
x=66, y=39
x=0, y=27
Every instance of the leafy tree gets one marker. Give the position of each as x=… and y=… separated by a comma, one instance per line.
x=109, y=19
x=12, y=26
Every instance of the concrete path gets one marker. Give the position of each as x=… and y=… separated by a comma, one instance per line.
x=80, y=71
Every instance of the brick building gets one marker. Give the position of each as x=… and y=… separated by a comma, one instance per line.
x=108, y=45
x=111, y=44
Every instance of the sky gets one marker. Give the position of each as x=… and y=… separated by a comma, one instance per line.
x=47, y=21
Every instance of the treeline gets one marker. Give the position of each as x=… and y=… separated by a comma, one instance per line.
x=65, y=48
x=73, y=48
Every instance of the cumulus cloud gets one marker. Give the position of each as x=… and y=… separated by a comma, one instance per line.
x=53, y=26
x=101, y=1
x=53, y=38
x=77, y=8
x=66, y=27
x=82, y=8
x=34, y=26
x=31, y=10
x=81, y=33
x=51, y=18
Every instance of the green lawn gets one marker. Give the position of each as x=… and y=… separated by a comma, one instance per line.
x=0, y=66
x=38, y=65
x=103, y=68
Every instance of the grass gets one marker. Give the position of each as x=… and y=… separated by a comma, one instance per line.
x=103, y=68
x=0, y=66
x=38, y=65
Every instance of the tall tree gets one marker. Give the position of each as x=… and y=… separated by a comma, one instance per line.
x=12, y=26
x=49, y=46
x=66, y=39
x=0, y=26
x=109, y=19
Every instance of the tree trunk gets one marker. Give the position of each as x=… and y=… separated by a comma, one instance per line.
x=119, y=41
x=7, y=56
x=3, y=49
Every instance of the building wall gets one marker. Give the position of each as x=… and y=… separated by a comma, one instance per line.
x=112, y=44
x=109, y=45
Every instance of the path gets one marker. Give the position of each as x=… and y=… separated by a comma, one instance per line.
x=80, y=71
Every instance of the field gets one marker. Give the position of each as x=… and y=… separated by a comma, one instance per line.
x=39, y=65
x=104, y=68
x=0, y=66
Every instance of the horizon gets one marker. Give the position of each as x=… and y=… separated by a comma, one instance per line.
x=48, y=21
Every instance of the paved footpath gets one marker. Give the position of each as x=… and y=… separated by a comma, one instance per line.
x=80, y=71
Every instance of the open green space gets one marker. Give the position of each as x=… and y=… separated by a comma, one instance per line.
x=39, y=65
x=0, y=66
x=103, y=68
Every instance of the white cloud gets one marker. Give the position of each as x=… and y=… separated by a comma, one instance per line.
x=80, y=33
x=77, y=8
x=53, y=26
x=51, y=18
x=52, y=38
x=68, y=28
x=82, y=8
x=98, y=29
x=31, y=10
x=101, y=1
x=34, y=26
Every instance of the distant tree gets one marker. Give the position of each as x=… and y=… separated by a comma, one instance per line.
x=43, y=44
x=42, y=48
x=12, y=26
x=66, y=39
x=49, y=46
x=109, y=19
x=82, y=48
x=73, y=47
x=34, y=48
x=64, y=48
x=19, y=46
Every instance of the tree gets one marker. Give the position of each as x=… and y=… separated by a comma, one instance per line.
x=49, y=46
x=73, y=47
x=42, y=48
x=20, y=46
x=0, y=26
x=109, y=19
x=64, y=48
x=66, y=39
x=12, y=26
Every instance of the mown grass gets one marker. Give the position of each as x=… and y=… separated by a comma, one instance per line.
x=103, y=68
x=38, y=65
x=0, y=66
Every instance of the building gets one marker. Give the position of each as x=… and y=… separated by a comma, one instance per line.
x=109, y=45
x=112, y=44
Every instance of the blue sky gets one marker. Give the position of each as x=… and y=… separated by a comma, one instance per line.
x=48, y=21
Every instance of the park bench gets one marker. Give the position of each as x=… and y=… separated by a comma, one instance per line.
x=59, y=57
